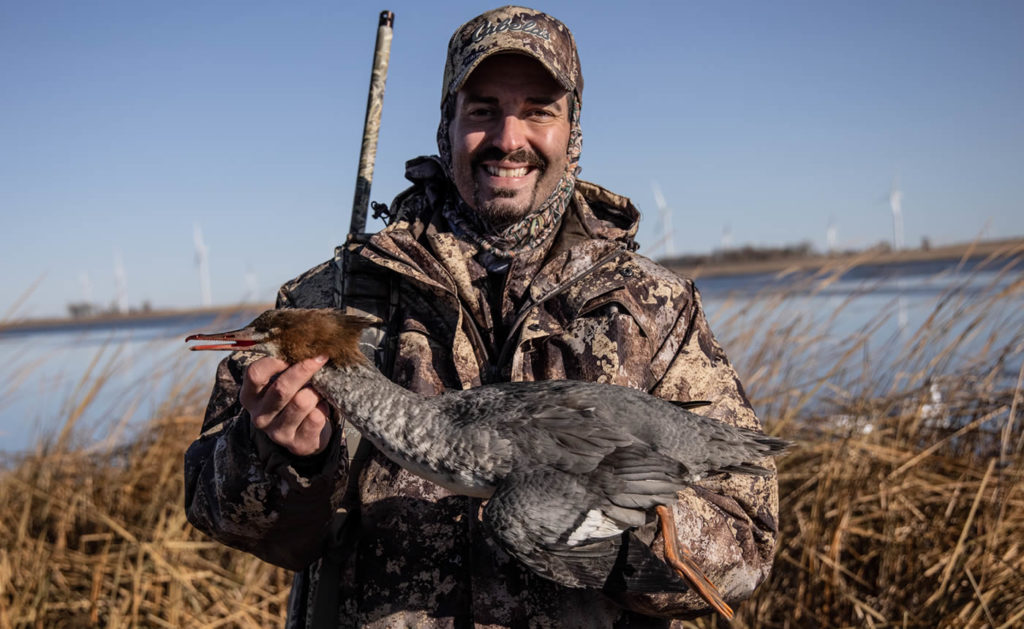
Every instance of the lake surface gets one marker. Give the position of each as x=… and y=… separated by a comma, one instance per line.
x=140, y=365
x=118, y=373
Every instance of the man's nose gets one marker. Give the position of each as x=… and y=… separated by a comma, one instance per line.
x=510, y=134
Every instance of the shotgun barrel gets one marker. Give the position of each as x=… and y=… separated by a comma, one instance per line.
x=371, y=126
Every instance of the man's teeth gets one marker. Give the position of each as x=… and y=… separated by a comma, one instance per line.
x=507, y=172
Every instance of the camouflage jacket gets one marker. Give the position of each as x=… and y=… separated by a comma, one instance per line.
x=393, y=550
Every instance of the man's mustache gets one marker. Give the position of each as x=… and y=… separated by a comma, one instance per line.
x=518, y=156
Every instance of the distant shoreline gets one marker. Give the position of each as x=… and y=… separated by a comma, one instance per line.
x=707, y=269
x=154, y=317
x=785, y=265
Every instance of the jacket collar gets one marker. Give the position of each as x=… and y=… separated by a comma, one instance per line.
x=597, y=212
x=420, y=245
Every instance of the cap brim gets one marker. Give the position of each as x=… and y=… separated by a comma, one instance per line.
x=565, y=82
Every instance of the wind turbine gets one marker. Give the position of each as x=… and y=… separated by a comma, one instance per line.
x=667, y=239
x=252, y=285
x=727, y=237
x=831, y=234
x=120, y=284
x=203, y=264
x=896, y=204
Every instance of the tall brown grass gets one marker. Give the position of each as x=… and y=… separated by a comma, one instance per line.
x=95, y=535
x=897, y=509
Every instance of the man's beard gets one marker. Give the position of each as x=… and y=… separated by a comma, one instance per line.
x=497, y=214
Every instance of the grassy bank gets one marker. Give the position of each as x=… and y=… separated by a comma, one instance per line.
x=902, y=506
x=739, y=264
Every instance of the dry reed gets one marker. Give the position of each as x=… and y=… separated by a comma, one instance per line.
x=903, y=503
x=898, y=509
x=95, y=535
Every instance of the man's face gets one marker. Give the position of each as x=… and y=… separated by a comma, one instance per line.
x=509, y=136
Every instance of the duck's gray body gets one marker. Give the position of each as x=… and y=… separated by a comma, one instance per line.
x=568, y=466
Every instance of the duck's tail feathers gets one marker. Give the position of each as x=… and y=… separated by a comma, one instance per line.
x=773, y=446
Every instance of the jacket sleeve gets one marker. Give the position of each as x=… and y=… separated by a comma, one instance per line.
x=247, y=492
x=728, y=521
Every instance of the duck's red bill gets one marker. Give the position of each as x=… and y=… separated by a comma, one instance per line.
x=230, y=346
x=240, y=339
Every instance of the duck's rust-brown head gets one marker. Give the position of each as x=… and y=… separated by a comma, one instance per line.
x=296, y=334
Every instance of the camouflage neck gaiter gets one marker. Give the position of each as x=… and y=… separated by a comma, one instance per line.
x=532, y=230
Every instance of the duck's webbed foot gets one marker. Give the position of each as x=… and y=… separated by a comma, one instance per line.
x=680, y=558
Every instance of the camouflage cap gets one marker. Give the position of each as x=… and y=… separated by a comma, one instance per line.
x=512, y=29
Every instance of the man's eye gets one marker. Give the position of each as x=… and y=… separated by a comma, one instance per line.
x=480, y=112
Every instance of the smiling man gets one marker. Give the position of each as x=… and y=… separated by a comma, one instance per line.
x=509, y=130
x=498, y=265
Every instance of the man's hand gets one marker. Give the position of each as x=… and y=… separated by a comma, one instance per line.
x=291, y=413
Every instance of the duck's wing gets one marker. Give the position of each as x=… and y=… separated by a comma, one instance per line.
x=551, y=423
x=563, y=527
x=571, y=435
x=574, y=425
x=703, y=444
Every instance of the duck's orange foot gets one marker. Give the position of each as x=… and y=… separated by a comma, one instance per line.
x=680, y=558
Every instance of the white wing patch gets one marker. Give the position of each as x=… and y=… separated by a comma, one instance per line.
x=595, y=526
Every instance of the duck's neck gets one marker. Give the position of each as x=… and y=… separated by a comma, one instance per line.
x=415, y=431
x=383, y=411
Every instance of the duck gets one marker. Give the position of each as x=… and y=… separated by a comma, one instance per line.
x=569, y=469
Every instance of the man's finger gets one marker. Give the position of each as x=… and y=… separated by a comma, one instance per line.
x=257, y=376
x=324, y=408
x=285, y=424
x=291, y=380
x=312, y=433
x=278, y=394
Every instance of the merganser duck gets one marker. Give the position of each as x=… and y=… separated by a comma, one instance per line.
x=569, y=468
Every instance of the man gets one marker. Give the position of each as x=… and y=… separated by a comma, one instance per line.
x=500, y=266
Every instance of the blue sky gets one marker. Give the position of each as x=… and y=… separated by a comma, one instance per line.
x=123, y=124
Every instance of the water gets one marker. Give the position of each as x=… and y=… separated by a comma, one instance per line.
x=119, y=373
x=885, y=326
x=47, y=373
